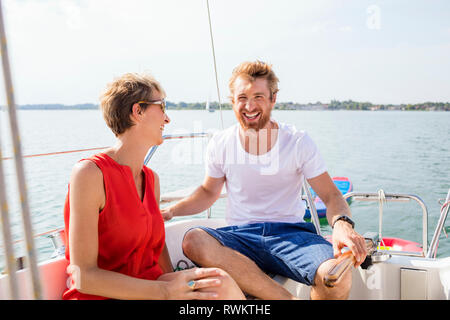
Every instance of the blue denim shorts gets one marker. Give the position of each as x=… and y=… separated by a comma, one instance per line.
x=292, y=250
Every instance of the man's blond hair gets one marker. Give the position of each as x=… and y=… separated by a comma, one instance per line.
x=120, y=95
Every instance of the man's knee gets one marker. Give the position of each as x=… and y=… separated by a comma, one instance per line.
x=341, y=288
x=194, y=244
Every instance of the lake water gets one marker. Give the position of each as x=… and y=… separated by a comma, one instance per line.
x=399, y=152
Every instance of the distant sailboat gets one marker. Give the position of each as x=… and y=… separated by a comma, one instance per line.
x=208, y=108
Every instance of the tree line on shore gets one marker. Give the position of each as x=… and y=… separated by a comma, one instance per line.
x=333, y=105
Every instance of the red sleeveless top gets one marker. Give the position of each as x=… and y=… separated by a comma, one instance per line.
x=130, y=231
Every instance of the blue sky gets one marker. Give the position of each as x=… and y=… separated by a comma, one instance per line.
x=395, y=51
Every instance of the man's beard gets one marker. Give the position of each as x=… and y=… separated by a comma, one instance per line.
x=261, y=123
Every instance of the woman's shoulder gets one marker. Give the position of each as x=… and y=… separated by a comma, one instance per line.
x=87, y=171
x=87, y=185
x=86, y=165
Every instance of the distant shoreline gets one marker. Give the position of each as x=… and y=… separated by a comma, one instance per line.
x=318, y=106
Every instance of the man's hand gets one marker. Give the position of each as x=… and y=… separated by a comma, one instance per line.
x=345, y=236
x=343, y=233
x=167, y=213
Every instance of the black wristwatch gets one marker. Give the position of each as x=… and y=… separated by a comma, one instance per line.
x=346, y=219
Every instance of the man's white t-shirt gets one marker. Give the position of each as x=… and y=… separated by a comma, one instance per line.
x=264, y=188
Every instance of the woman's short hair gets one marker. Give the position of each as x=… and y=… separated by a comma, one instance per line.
x=120, y=95
x=253, y=70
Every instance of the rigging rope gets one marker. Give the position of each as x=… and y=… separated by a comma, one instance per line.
x=215, y=66
x=58, y=152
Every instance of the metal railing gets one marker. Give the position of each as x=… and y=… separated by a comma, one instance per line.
x=312, y=207
x=439, y=227
x=361, y=196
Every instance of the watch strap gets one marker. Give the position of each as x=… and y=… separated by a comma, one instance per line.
x=344, y=218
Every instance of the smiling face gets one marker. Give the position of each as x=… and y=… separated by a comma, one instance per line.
x=252, y=102
x=120, y=99
x=154, y=118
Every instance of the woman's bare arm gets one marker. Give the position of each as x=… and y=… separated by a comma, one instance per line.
x=164, y=259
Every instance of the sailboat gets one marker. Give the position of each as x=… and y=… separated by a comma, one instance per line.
x=208, y=108
x=388, y=273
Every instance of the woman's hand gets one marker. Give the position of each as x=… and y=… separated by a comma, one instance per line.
x=196, y=283
x=201, y=284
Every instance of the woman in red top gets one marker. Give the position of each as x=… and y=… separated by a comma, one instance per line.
x=115, y=231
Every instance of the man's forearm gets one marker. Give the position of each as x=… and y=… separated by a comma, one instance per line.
x=199, y=201
x=338, y=206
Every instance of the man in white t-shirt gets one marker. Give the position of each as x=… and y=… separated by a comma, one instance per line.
x=263, y=163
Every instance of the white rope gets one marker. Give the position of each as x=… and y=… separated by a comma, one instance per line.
x=381, y=202
x=215, y=66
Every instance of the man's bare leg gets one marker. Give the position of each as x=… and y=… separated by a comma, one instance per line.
x=206, y=251
x=341, y=289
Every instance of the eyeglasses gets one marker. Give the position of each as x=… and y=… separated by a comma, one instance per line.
x=161, y=102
